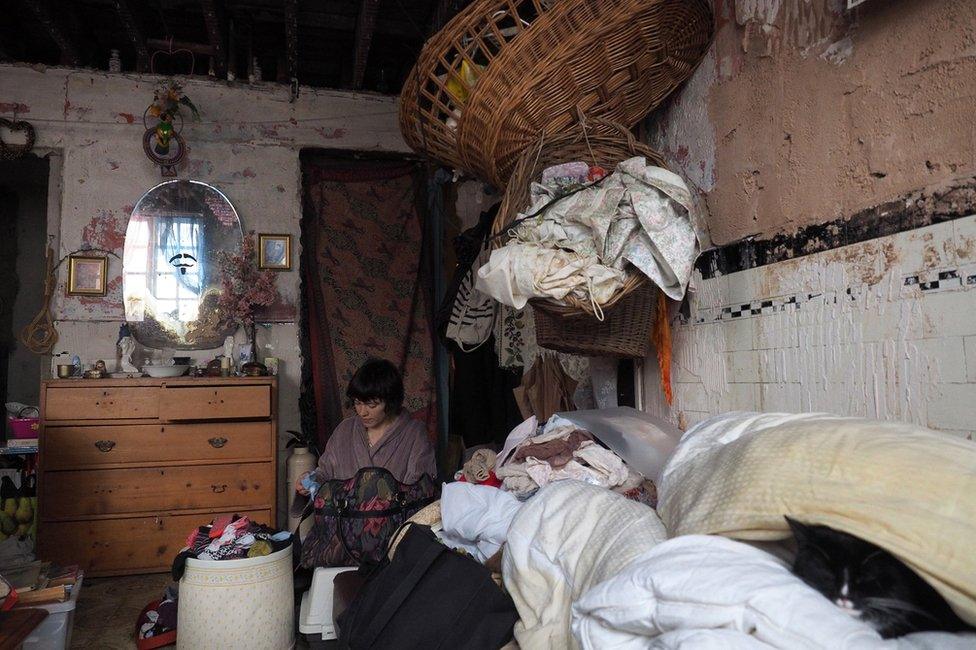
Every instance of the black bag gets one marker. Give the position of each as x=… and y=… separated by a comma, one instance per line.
x=428, y=597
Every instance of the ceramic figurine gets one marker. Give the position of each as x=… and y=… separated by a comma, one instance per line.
x=127, y=346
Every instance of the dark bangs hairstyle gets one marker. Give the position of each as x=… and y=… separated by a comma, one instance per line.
x=377, y=379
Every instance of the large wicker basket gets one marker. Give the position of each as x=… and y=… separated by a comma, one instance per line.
x=504, y=71
x=571, y=326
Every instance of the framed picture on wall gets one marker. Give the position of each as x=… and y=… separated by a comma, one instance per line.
x=274, y=252
x=87, y=275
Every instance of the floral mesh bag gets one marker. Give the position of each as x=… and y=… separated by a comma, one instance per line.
x=355, y=517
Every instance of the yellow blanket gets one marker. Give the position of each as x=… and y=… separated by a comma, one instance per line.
x=906, y=489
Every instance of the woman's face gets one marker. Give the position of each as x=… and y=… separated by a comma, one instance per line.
x=371, y=411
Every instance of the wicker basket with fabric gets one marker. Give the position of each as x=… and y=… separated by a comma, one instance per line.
x=571, y=326
x=502, y=72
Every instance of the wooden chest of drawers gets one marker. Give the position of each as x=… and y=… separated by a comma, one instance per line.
x=129, y=467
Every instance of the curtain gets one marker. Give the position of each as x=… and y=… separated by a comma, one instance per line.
x=365, y=284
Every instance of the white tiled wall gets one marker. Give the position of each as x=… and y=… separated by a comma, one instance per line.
x=868, y=330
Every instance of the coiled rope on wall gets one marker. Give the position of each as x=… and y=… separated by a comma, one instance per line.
x=40, y=335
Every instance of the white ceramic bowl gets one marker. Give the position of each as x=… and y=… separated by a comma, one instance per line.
x=164, y=371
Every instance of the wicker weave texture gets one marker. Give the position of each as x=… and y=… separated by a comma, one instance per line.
x=544, y=64
x=625, y=331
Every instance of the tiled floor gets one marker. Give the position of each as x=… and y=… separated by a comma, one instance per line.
x=108, y=607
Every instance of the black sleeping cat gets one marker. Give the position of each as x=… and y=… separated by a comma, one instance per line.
x=869, y=583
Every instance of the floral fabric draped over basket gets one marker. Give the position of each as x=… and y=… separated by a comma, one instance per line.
x=355, y=517
x=587, y=242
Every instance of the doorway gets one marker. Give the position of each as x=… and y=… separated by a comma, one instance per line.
x=23, y=235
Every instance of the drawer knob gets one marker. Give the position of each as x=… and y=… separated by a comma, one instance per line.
x=105, y=446
x=218, y=488
x=217, y=443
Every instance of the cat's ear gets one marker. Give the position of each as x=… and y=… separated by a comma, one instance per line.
x=800, y=531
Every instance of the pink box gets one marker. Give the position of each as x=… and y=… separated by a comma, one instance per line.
x=23, y=427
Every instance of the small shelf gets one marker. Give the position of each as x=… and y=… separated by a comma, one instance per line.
x=17, y=451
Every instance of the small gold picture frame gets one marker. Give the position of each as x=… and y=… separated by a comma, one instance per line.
x=87, y=275
x=274, y=252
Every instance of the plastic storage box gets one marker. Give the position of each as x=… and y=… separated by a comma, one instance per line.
x=54, y=633
x=315, y=616
x=22, y=427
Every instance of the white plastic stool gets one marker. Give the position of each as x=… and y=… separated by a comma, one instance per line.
x=315, y=617
x=233, y=604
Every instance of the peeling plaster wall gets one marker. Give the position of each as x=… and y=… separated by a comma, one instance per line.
x=247, y=144
x=803, y=113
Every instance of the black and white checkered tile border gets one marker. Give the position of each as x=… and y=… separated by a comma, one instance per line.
x=948, y=279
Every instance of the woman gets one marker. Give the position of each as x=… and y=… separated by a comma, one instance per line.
x=381, y=434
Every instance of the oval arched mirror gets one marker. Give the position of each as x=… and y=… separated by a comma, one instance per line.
x=170, y=266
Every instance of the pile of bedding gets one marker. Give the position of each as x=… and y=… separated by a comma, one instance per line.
x=705, y=591
x=588, y=568
x=567, y=538
x=908, y=490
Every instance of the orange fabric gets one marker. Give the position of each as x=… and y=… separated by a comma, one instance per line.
x=662, y=341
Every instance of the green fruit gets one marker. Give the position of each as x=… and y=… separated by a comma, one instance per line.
x=24, y=512
x=10, y=506
x=22, y=530
x=7, y=524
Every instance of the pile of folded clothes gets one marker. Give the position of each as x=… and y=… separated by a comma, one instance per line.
x=533, y=458
x=230, y=537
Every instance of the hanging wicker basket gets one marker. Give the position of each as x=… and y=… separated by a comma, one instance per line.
x=571, y=326
x=504, y=71
x=624, y=332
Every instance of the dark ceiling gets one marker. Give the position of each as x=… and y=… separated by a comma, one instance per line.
x=355, y=44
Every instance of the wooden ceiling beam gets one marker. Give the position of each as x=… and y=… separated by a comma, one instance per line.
x=133, y=31
x=42, y=11
x=329, y=22
x=365, y=26
x=165, y=45
x=291, y=39
x=216, y=34
x=438, y=17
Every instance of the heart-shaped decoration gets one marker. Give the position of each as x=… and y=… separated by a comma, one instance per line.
x=173, y=62
x=8, y=150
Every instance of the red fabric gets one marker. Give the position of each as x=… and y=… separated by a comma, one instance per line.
x=365, y=285
x=158, y=641
x=492, y=480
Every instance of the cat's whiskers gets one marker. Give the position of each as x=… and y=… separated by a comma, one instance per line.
x=895, y=608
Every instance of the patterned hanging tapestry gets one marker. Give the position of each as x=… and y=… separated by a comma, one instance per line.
x=365, y=273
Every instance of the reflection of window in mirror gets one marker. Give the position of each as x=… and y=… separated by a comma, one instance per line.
x=177, y=267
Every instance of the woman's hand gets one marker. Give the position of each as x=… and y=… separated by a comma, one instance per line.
x=301, y=489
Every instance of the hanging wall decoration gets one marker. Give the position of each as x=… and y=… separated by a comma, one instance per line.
x=163, y=120
x=10, y=151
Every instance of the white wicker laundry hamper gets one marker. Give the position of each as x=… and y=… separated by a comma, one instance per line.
x=237, y=604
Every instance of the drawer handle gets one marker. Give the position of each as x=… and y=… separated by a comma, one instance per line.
x=105, y=446
x=218, y=488
x=217, y=443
